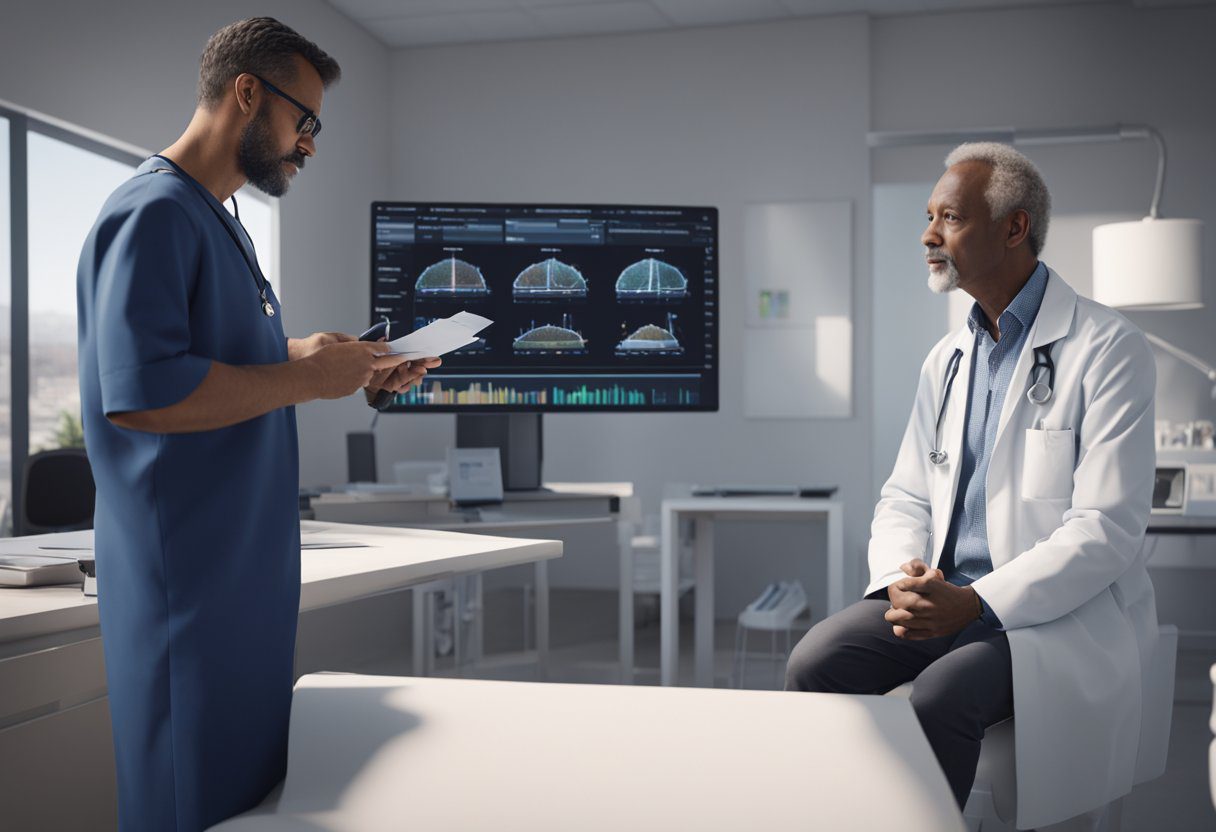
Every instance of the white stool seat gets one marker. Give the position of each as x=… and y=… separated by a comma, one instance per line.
x=1212, y=748
x=994, y=796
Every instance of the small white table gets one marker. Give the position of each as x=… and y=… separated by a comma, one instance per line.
x=705, y=511
x=381, y=754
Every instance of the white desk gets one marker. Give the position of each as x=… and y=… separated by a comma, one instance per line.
x=705, y=511
x=53, y=703
x=375, y=753
x=391, y=560
x=557, y=510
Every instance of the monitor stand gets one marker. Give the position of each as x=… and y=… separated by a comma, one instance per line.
x=518, y=437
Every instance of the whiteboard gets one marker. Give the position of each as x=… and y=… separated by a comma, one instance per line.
x=798, y=344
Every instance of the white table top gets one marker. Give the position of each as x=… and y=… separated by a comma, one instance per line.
x=550, y=492
x=390, y=559
x=375, y=753
x=750, y=505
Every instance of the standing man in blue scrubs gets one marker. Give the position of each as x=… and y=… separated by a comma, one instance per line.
x=188, y=387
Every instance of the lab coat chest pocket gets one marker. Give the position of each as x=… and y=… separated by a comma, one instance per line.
x=1047, y=464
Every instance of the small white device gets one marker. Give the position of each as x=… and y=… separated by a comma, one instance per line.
x=1185, y=483
x=475, y=476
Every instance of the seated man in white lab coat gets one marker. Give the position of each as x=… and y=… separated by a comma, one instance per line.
x=1024, y=478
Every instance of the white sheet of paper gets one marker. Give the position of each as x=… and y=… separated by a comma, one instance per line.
x=441, y=336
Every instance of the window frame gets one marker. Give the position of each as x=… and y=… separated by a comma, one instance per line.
x=22, y=122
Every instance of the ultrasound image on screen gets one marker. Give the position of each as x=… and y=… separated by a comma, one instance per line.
x=594, y=307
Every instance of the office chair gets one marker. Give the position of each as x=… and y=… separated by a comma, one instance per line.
x=57, y=493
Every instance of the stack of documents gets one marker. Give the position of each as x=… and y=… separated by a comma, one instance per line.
x=40, y=561
x=441, y=336
x=38, y=570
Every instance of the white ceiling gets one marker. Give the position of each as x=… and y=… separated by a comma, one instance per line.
x=408, y=23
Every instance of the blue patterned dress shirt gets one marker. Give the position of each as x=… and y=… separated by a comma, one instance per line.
x=965, y=555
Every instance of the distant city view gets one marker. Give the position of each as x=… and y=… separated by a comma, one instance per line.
x=54, y=389
x=54, y=407
x=68, y=183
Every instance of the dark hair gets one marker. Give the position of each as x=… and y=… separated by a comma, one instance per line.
x=261, y=46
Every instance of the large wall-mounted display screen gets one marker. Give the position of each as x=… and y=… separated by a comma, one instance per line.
x=595, y=307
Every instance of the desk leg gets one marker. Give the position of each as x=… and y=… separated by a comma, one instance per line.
x=458, y=602
x=625, y=602
x=423, y=639
x=479, y=625
x=542, y=620
x=836, y=576
x=669, y=607
x=704, y=623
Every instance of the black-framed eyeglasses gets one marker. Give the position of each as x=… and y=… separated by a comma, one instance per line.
x=308, y=123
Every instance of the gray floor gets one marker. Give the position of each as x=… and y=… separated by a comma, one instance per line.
x=585, y=651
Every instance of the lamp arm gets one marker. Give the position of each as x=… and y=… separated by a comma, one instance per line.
x=1182, y=355
x=1145, y=131
x=1072, y=135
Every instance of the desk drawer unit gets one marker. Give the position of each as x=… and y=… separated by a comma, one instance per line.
x=56, y=749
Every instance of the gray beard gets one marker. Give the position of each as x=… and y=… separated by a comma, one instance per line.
x=944, y=280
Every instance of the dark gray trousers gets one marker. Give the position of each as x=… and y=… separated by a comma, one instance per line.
x=964, y=682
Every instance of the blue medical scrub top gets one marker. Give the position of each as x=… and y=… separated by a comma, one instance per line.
x=197, y=534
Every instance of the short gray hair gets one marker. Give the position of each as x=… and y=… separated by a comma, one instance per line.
x=1015, y=184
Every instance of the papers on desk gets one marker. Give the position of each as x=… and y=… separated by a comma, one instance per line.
x=38, y=570
x=441, y=336
x=80, y=541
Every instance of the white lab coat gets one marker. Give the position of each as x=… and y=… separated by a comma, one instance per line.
x=1069, y=490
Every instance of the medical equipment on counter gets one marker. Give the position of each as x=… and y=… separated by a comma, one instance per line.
x=89, y=567
x=1185, y=482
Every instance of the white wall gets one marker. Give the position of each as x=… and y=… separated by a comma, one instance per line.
x=714, y=116
x=129, y=70
x=1076, y=66
x=1070, y=67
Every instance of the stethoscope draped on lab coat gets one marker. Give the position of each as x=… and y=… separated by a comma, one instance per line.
x=1042, y=381
x=1069, y=484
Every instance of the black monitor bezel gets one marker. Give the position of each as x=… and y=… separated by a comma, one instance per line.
x=471, y=409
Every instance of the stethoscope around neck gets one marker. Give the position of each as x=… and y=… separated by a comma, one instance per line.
x=1039, y=393
x=259, y=280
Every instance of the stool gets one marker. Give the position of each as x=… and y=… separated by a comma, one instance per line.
x=1212, y=748
x=992, y=804
x=774, y=611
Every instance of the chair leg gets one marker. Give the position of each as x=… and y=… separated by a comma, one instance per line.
x=1108, y=818
x=735, y=680
x=772, y=653
x=527, y=617
x=457, y=629
x=743, y=662
x=980, y=813
x=786, y=661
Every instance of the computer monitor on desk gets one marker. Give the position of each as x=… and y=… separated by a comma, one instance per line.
x=595, y=308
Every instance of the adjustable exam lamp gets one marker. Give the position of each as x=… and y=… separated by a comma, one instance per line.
x=1152, y=263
